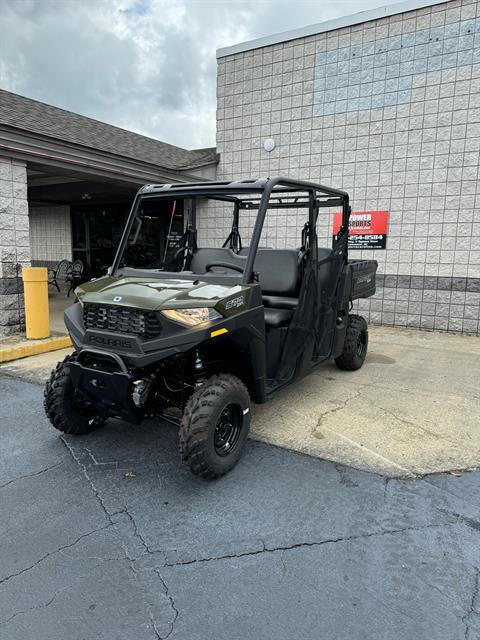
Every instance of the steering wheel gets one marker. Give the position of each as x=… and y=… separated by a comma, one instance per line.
x=226, y=265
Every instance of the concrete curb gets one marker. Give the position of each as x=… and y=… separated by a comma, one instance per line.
x=33, y=348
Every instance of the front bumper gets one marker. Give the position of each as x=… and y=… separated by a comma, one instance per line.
x=109, y=391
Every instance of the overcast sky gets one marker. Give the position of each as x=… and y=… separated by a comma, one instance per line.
x=145, y=65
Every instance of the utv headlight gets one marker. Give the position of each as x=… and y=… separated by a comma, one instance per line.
x=192, y=317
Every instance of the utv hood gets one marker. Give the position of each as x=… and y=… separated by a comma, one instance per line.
x=153, y=294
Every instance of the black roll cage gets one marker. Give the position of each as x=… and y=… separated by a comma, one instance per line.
x=273, y=193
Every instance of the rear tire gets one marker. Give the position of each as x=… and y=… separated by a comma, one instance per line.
x=215, y=426
x=355, y=345
x=66, y=408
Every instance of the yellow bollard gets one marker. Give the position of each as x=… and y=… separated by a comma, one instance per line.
x=35, y=286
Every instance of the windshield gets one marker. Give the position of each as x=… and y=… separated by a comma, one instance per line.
x=154, y=235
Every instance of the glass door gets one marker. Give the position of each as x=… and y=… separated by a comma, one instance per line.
x=105, y=228
x=96, y=232
x=80, y=244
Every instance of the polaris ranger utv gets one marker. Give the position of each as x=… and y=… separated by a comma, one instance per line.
x=192, y=334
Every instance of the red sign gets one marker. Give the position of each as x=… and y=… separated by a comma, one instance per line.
x=367, y=229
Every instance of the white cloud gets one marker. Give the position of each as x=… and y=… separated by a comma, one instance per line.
x=146, y=65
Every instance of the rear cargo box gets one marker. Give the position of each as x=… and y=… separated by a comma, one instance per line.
x=363, y=278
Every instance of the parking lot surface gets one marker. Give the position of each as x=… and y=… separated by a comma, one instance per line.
x=107, y=536
x=412, y=409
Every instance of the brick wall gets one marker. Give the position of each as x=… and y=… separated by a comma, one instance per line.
x=50, y=234
x=388, y=110
x=14, y=243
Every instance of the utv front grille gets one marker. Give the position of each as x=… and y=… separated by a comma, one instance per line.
x=145, y=324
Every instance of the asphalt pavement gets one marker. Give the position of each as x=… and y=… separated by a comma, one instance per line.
x=412, y=409
x=107, y=536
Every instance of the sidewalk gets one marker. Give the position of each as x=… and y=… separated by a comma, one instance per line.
x=16, y=347
x=413, y=408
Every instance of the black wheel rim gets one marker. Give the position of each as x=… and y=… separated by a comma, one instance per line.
x=227, y=429
x=361, y=343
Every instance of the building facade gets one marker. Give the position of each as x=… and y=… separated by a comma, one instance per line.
x=66, y=185
x=385, y=105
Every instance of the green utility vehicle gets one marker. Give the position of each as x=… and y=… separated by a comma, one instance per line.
x=192, y=335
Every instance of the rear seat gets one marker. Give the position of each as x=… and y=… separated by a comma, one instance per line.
x=279, y=273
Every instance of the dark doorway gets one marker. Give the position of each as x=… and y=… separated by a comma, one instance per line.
x=97, y=229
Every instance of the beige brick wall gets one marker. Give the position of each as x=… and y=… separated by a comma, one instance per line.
x=50, y=233
x=388, y=110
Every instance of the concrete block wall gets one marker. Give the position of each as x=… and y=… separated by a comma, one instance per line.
x=388, y=110
x=14, y=243
x=50, y=234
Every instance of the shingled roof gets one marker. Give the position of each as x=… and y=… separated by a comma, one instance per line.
x=44, y=119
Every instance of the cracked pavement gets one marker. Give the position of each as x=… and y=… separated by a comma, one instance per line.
x=412, y=409
x=107, y=536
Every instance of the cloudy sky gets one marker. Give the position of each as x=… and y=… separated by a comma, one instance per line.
x=146, y=65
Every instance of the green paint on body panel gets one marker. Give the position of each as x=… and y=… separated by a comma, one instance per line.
x=154, y=294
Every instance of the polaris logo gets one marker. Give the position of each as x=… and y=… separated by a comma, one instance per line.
x=235, y=302
x=111, y=342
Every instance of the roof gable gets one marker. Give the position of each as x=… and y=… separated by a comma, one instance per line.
x=47, y=120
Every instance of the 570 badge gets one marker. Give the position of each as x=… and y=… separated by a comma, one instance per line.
x=234, y=303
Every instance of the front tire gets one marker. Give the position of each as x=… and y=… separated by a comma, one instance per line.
x=215, y=426
x=66, y=408
x=355, y=345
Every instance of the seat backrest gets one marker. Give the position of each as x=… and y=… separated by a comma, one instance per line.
x=278, y=269
x=77, y=268
x=62, y=268
x=244, y=250
x=202, y=257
